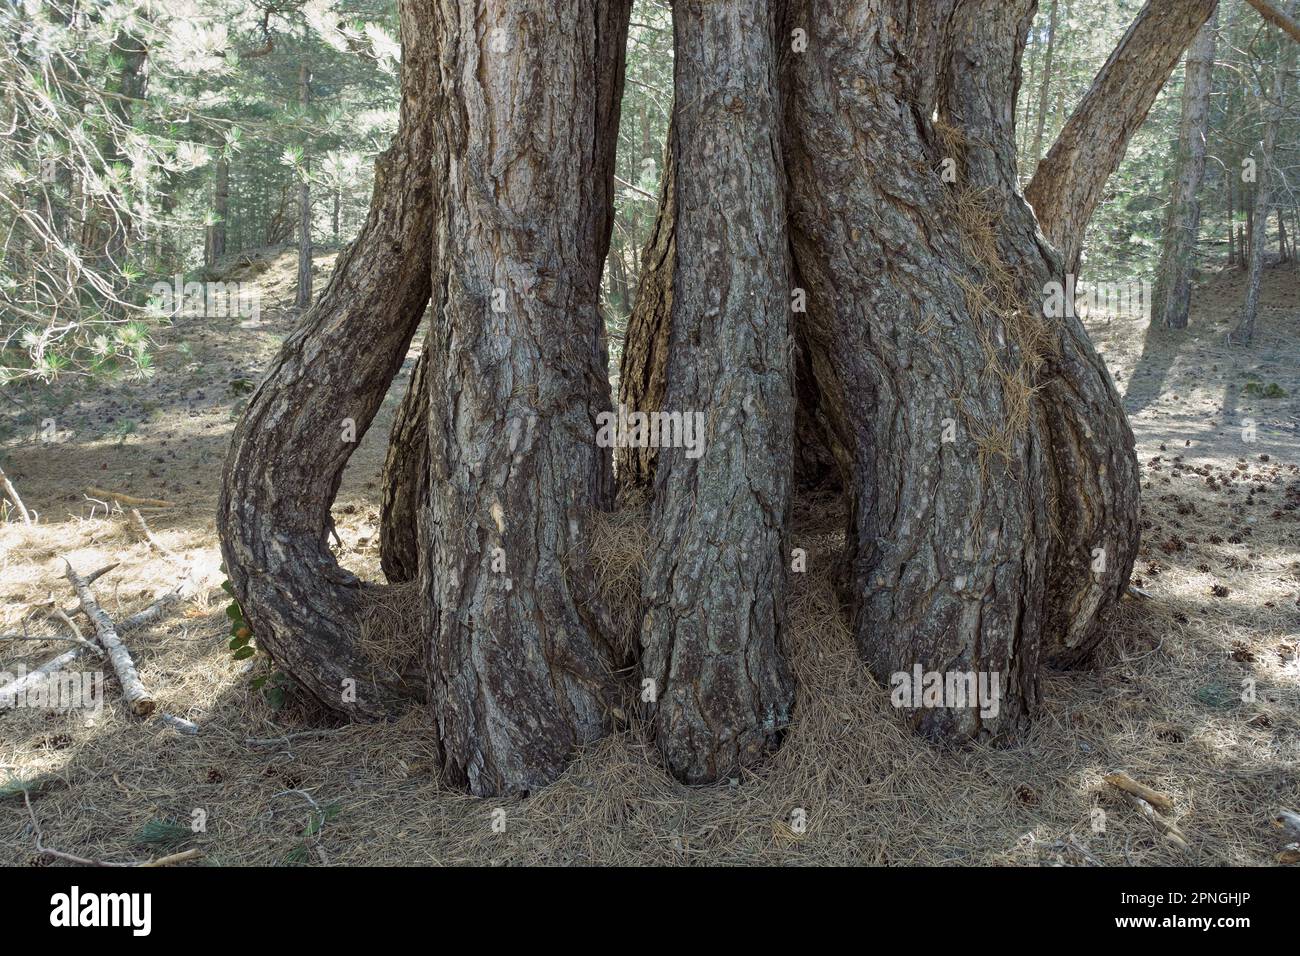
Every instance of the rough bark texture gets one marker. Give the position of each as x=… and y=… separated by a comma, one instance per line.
x=289, y=449
x=1183, y=217
x=1089, y=464
x=406, y=479
x=715, y=585
x=1070, y=181
x=519, y=674
x=911, y=341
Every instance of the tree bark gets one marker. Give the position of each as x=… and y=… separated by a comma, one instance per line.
x=1183, y=216
x=1070, y=181
x=291, y=444
x=519, y=673
x=406, y=479
x=216, y=233
x=715, y=585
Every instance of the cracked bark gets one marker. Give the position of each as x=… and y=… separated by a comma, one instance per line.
x=519, y=674
x=714, y=588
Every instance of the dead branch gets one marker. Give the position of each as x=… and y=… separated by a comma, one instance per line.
x=1123, y=781
x=137, y=519
x=44, y=850
x=1171, y=832
x=11, y=693
x=137, y=698
x=12, y=493
x=123, y=499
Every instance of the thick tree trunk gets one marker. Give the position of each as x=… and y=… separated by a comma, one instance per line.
x=715, y=585
x=1070, y=181
x=1274, y=108
x=303, y=299
x=519, y=672
x=1183, y=217
x=304, y=421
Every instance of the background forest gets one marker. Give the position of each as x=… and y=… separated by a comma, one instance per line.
x=146, y=140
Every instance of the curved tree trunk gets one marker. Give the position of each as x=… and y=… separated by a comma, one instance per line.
x=1070, y=181
x=1183, y=217
x=304, y=420
x=715, y=586
x=519, y=672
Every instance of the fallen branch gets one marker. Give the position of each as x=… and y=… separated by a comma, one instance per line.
x=11, y=693
x=12, y=493
x=129, y=499
x=44, y=850
x=137, y=698
x=1123, y=781
x=137, y=519
x=1171, y=832
x=180, y=724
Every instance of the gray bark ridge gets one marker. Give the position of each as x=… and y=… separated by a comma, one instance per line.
x=290, y=446
x=519, y=672
x=715, y=585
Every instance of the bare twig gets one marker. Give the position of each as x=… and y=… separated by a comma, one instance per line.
x=137, y=698
x=12, y=493
x=1123, y=781
x=137, y=519
x=182, y=857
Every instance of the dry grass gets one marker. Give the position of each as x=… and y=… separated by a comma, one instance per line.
x=1164, y=706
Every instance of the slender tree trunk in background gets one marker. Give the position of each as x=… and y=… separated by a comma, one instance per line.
x=305, y=419
x=519, y=672
x=130, y=87
x=1183, y=215
x=334, y=217
x=215, y=247
x=715, y=586
x=1046, y=85
x=1282, y=255
x=303, y=299
x=1266, y=171
x=1230, y=190
x=1069, y=182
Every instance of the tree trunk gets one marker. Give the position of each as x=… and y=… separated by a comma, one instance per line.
x=216, y=235
x=1274, y=109
x=642, y=380
x=715, y=585
x=406, y=479
x=1069, y=183
x=304, y=420
x=1183, y=216
x=1232, y=231
x=1044, y=90
x=519, y=672
x=303, y=299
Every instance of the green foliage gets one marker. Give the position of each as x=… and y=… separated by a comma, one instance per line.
x=163, y=832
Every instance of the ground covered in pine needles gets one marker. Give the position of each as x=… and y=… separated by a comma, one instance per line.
x=1220, y=562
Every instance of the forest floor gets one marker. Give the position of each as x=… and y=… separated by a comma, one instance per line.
x=1220, y=560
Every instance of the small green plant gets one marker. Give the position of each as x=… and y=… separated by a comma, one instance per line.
x=316, y=821
x=1271, y=390
x=241, y=635
x=163, y=832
